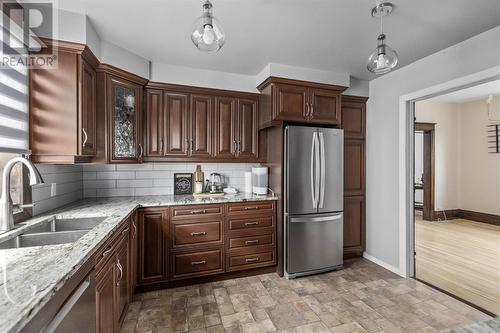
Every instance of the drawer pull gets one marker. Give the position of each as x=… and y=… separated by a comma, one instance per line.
x=251, y=223
x=201, y=233
x=252, y=259
x=201, y=262
x=251, y=208
x=108, y=249
x=255, y=241
x=125, y=231
x=199, y=211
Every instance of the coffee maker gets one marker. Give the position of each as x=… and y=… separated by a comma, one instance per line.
x=216, y=183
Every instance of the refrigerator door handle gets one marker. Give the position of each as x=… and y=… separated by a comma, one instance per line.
x=313, y=159
x=317, y=180
x=322, y=168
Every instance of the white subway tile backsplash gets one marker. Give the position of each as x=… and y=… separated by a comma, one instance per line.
x=99, y=167
x=152, y=178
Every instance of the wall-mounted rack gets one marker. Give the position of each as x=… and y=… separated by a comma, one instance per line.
x=494, y=139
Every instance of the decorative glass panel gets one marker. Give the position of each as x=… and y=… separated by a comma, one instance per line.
x=125, y=122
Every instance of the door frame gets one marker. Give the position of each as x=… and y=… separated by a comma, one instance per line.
x=429, y=168
x=406, y=158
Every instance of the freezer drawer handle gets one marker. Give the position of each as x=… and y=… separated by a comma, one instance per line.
x=317, y=219
x=201, y=262
x=252, y=259
x=247, y=224
x=254, y=241
x=201, y=233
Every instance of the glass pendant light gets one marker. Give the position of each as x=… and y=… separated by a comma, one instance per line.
x=208, y=34
x=383, y=59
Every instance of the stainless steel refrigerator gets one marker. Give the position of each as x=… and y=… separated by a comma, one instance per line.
x=314, y=200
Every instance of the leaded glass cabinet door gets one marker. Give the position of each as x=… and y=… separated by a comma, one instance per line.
x=125, y=125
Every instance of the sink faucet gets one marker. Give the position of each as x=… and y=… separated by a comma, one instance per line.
x=6, y=206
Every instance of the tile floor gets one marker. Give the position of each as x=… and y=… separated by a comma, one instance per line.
x=363, y=297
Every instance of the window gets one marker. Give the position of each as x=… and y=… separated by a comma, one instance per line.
x=14, y=115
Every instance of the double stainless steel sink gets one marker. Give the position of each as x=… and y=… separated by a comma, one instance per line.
x=53, y=231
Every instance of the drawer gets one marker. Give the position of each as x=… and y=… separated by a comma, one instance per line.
x=251, y=241
x=206, y=232
x=251, y=223
x=247, y=261
x=197, y=211
x=197, y=263
x=254, y=207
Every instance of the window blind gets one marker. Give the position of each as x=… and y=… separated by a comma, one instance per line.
x=14, y=121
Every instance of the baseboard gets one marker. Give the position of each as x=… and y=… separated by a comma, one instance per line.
x=383, y=264
x=453, y=214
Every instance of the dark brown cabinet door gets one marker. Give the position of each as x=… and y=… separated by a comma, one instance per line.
x=353, y=119
x=248, y=131
x=226, y=143
x=105, y=299
x=324, y=107
x=200, y=142
x=354, y=167
x=124, y=107
x=176, y=115
x=88, y=109
x=152, y=257
x=122, y=278
x=354, y=221
x=291, y=102
x=154, y=122
x=133, y=254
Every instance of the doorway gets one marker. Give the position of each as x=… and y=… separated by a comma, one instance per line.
x=424, y=170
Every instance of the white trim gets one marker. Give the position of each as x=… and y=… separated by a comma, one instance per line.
x=404, y=187
x=383, y=264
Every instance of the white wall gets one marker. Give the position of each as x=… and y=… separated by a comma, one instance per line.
x=479, y=170
x=446, y=149
x=202, y=78
x=112, y=54
x=384, y=181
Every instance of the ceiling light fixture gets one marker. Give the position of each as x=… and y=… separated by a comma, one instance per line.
x=207, y=32
x=383, y=59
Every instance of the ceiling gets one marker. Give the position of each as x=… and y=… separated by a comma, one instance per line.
x=321, y=34
x=471, y=94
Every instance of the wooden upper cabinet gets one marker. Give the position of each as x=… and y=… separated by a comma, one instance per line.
x=176, y=115
x=62, y=107
x=354, y=117
x=354, y=167
x=291, y=102
x=200, y=142
x=154, y=123
x=324, y=107
x=299, y=101
x=226, y=143
x=125, y=114
x=88, y=108
x=247, y=128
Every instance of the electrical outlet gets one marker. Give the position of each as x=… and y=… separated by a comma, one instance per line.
x=53, y=189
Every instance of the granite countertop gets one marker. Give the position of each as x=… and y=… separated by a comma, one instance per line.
x=30, y=277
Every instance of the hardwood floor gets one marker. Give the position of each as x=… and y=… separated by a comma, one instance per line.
x=363, y=297
x=461, y=257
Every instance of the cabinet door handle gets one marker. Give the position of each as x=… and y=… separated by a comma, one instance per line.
x=235, y=144
x=120, y=270
x=201, y=262
x=192, y=146
x=251, y=208
x=199, y=211
x=311, y=113
x=141, y=151
x=254, y=241
x=107, y=251
x=239, y=146
x=188, y=148
x=247, y=224
x=252, y=259
x=126, y=230
x=161, y=147
x=135, y=229
x=307, y=110
x=201, y=233
x=85, y=137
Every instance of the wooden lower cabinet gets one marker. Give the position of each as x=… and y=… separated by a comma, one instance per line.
x=354, y=224
x=105, y=299
x=123, y=277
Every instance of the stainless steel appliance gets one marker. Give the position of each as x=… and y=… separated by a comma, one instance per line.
x=314, y=192
x=216, y=184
